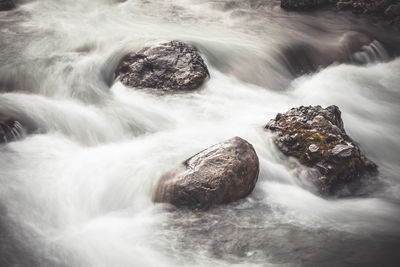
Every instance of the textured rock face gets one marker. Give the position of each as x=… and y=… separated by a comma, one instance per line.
x=393, y=11
x=388, y=10
x=169, y=66
x=316, y=137
x=6, y=5
x=303, y=4
x=223, y=173
x=364, y=6
x=10, y=130
x=377, y=7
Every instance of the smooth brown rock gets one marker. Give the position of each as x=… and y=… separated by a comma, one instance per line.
x=221, y=174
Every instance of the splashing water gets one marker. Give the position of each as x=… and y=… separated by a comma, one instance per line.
x=78, y=192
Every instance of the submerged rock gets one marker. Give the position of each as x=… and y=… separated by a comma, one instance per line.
x=316, y=137
x=6, y=5
x=10, y=130
x=169, y=66
x=221, y=174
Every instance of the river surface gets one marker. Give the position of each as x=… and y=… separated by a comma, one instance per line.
x=77, y=192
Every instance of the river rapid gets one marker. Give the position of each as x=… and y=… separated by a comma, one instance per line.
x=78, y=193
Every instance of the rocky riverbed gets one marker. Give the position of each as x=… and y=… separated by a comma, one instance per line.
x=197, y=133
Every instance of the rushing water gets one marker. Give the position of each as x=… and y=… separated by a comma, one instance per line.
x=78, y=192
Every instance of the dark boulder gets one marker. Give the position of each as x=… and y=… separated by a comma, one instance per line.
x=6, y=5
x=10, y=130
x=303, y=4
x=376, y=7
x=316, y=137
x=396, y=24
x=385, y=10
x=221, y=174
x=169, y=66
x=393, y=11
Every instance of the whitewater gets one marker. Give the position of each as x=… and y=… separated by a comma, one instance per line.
x=78, y=192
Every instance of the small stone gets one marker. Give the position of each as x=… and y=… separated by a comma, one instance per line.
x=319, y=119
x=221, y=174
x=342, y=151
x=313, y=148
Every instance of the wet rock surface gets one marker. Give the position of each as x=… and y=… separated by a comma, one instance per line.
x=303, y=4
x=387, y=10
x=317, y=138
x=6, y=5
x=168, y=66
x=221, y=174
x=10, y=130
x=365, y=6
x=352, y=48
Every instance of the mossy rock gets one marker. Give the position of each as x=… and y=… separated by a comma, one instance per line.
x=316, y=137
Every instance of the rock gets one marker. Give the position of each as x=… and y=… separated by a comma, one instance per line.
x=385, y=10
x=221, y=174
x=303, y=4
x=393, y=11
x=376, y=7
x=317, y=138
x=396, y=22
x=301, y=57
x=372, y=7
x=342, y=151
x=10, y=130
x=169, y=66
x=342, y=5
x=6, y=5
x=313, y=148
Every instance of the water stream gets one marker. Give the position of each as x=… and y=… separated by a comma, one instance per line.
x=78, y=192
